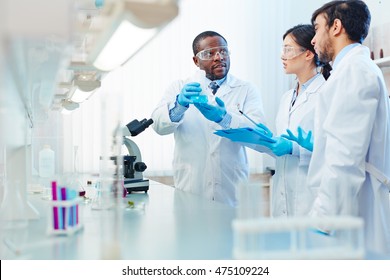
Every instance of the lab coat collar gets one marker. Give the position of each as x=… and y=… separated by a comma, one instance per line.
x=229, y=80
x=342, y=54
x=315, y=84
x=312, y=88
x=232, y=82
x=227, y=86
x=358, y=48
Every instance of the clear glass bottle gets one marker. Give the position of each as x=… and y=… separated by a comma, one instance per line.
x=46, y=165
x=46, y=162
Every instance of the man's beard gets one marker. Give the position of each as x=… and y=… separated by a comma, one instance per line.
x=326, y=55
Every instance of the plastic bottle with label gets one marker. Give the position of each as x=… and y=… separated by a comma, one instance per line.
x=46, y=162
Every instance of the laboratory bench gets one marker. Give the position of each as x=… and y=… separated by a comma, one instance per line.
x=164, y=223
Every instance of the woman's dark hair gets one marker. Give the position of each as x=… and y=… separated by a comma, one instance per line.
x=302, y=34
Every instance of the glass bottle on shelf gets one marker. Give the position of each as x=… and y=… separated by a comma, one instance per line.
x=46, y=169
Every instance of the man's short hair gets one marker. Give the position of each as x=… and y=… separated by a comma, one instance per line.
x=353, y=14
x=201, y=36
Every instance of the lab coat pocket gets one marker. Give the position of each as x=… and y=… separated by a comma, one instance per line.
x=304, y=158
x=241, y=172
x=183, y=176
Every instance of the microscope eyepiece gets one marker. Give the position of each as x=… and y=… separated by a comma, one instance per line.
x=136, y=127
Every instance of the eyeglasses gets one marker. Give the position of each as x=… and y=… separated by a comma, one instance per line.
x=209, y=54
x=289, y=52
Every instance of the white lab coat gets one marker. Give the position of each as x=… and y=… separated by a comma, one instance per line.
x=352, y=127
x=289, y=195
x=205, y=163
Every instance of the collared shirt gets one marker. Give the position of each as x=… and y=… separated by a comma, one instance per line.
x=221, y=81
x=303, y=89
x=342, y=53
x=295, y=148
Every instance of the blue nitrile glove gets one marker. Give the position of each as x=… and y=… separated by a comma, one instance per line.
x=281, y=147
x=303, y=139
x=212, y=113
x=265, y=129
x=190, y=89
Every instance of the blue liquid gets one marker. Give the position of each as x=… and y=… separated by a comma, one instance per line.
x=199, y=99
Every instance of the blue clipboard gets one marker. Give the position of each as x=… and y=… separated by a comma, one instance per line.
x=244, y=134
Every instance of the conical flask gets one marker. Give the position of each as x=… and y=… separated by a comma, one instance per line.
x=13, y=221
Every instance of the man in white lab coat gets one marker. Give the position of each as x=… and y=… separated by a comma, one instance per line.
x=351, y=156
x=205, y=163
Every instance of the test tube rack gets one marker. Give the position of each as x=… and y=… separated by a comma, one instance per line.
x=65, y=216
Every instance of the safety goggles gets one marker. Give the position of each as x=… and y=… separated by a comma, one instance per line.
x=209, y=54
x=289, y=52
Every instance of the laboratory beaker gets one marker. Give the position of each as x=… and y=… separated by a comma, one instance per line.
x=199, y=77
x=13, y=221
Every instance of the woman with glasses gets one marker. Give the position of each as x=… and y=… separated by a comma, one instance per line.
x=290, y=197
x=194, y=109
x=289, y=194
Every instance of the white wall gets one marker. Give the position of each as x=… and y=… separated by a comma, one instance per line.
x=253, y=29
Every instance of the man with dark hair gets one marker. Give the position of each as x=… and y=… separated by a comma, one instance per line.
x=205, y=163
x=350, y=164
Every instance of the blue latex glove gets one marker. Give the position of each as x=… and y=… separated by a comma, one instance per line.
x=244, y=135
x=191, y=89
x=281, y=147
x=212, y=113
x=303, y=139
x=265, y=129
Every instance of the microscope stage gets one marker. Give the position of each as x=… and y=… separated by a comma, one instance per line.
x=138, y=185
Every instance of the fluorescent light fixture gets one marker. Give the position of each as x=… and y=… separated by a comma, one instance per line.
x=123, y=44
x=87, y=84
x=84, y=85
x=80, y=96
x=68, y=106
x=127, y=25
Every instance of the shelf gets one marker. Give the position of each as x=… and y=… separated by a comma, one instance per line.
x=383, y=62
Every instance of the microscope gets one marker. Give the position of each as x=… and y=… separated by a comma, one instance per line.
x=133, y=166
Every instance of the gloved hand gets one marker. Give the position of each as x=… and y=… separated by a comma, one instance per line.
x=212, y=113
x=303, y=139
x=190, y=89
x=265, y=130
x=281, y=147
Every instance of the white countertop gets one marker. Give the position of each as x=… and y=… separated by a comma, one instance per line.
x=165, y=224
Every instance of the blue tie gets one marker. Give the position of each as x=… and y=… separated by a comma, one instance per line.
x=214, y=87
